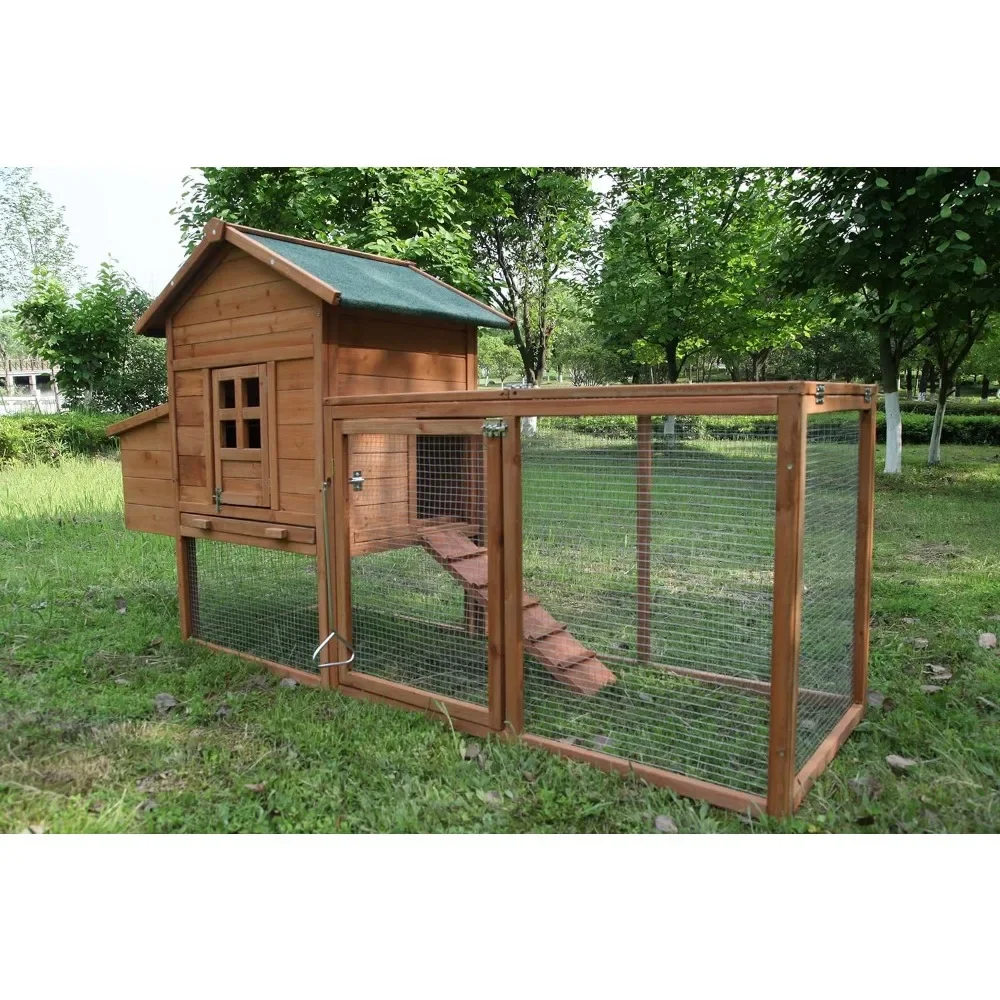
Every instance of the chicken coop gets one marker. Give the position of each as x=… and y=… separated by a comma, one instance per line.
x=670, y=582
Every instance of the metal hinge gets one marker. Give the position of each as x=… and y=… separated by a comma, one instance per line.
x=495, y=428
x=218, y=499
x=868, y=393
x=820, y=391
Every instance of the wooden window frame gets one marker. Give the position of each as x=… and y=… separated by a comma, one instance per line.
x=240, y=413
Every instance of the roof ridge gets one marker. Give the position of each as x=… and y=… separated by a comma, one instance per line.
x=251, y=231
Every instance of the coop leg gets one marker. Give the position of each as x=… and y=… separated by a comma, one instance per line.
x=187, y=587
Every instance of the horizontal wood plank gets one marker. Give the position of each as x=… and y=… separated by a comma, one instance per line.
x=295, y=406
x=147, y=492
x=192, y=470
x=147, y=464
x=157, y=520
x=297, y=476
x=270, y=297
x=148, y=437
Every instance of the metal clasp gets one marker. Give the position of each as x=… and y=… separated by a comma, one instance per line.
x=868, y=393
x=494, y=428
x=218, y=499
x=820, y=392
x=334, y=663
x=357, y=480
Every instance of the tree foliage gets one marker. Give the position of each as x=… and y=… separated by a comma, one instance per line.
x=88, y=336
x=32, y=235
x=498, y=357
x=916, y=250
x=689, y=264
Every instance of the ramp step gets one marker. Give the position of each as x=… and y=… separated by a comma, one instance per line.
x=545, y=638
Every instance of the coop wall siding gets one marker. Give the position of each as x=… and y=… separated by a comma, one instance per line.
x=378, y=353
x=240, y=313
x=147, y=478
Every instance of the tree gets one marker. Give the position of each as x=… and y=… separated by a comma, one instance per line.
x=984, y=358
x=886, y=241
x=690, y=262
x=32, y=235
x=89, y=336
x=503, y=233
x=11, y=343
x=532, y=226
x=499, y=357
x=576, y=346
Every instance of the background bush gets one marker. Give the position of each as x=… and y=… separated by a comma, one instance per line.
x=33, y=437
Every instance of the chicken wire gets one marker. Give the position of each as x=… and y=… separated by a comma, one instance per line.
x=418, y=582
x=711, y=556
x=827, y=642
x=254, y=600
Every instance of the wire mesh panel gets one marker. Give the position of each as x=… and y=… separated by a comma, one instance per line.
x=649, y=550
x=254, y=600
x=826, y=645
x=419, y=570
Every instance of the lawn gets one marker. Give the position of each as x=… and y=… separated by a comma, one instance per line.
x=88, y=639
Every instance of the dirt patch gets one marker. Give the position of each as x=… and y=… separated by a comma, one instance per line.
x=74, y=771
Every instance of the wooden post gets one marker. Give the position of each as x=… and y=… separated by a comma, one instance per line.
x=187, y=586
x=863, y=552
x=339, y=443
x=493, y=460
x=643, y=528
x=513, y=581
x=786, y=626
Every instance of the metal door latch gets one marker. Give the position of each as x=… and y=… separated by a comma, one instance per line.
x=820, y=391
x=868, y=393
x=357, y=480
x=218, y=499
x=494, y=428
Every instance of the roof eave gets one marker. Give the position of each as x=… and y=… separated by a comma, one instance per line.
x=152, y=323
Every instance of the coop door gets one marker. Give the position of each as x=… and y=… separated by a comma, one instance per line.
x=239, y=403
x=420, y=577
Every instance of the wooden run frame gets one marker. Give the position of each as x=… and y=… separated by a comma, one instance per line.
x=791, y=403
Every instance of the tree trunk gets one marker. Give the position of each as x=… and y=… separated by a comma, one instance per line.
x=909, y=382
x=986, y=387
x=934, y=451
x=893, y=424
x=673, y=370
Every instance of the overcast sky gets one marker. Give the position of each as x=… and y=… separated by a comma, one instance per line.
x=124, y=212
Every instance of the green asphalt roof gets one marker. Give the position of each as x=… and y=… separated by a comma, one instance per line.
x=364, y=283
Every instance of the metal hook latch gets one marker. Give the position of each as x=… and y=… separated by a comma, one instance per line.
x=334, y=663
x=357, y=480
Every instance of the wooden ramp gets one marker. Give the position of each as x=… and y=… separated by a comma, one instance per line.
x=547, y=640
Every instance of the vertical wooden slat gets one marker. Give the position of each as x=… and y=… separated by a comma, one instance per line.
x=266, y=464
x=323, y=335
x=643, y=530
x=786, y=629
x=863, y=552
x=269, y=405
x=471, y=357
x=513, y=583
x=495, y=580
x=341, y=544
x=211, y=445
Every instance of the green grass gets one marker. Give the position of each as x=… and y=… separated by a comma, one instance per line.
x=85, y=749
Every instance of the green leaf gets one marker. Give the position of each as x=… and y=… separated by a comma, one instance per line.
x=979, y=266
x=881, y=182
x=961, y=234
x=983, y=178
x=945, y=212
x=942, y=246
